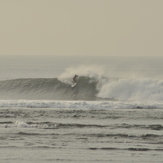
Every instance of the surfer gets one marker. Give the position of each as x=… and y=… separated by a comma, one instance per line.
x=75, y=78
x=74, y=81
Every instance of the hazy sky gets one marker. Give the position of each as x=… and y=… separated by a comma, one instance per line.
x=81, y=27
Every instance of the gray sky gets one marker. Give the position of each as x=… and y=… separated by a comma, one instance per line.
x=81, y=27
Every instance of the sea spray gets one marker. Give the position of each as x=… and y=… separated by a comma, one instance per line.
x=133, y=90
x=91, y=71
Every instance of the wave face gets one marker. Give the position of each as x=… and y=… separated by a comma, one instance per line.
x=48, y=89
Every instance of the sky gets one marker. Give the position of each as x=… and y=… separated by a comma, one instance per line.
x=81, y=27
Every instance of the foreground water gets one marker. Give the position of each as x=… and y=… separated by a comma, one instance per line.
x=81, y=135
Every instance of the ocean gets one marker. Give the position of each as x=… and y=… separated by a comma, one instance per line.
x=113, y=114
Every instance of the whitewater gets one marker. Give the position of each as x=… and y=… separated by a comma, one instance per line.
x=114, y=113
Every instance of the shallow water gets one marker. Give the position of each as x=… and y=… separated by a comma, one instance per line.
x=81, y=135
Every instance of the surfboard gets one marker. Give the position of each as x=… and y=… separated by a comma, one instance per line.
x=73, y=85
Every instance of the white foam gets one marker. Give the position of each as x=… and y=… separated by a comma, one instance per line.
x=22, y=124
x=92, y=71
x=80, y=104
x=133, y=90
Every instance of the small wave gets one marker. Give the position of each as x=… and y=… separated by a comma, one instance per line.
x=79, y=104
x=128, y=149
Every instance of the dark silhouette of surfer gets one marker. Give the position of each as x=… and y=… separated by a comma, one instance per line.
x=75, y=78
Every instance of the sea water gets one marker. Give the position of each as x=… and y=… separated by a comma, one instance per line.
x=113, y=114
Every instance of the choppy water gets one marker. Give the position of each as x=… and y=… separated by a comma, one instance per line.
x=113, y=114
x=81, y=135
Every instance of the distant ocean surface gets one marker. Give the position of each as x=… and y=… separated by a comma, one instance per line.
x=113, y=114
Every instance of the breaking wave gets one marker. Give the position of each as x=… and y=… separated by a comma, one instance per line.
x=93, y=91
x=133, y=90
x=87, y=88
